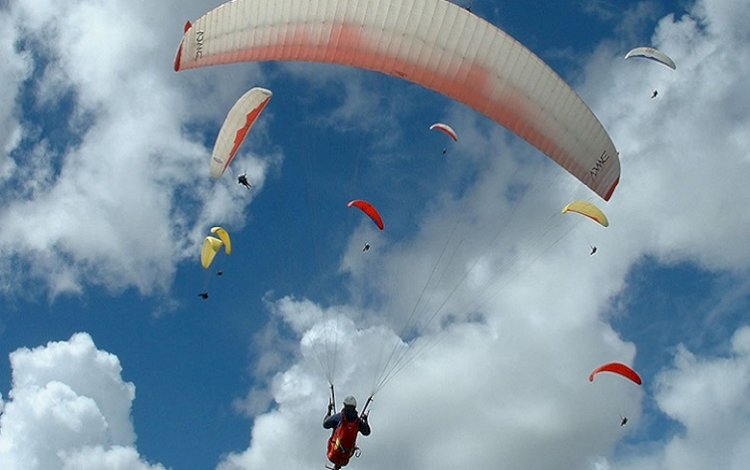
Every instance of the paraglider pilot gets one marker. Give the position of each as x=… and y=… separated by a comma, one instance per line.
x=653, y=95
x=366, y=247
x=593, y=250
x=242, y=179
x=203, y=295
x=342, y=444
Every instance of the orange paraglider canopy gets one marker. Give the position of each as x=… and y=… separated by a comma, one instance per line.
x=617, y=368
x=368, y=209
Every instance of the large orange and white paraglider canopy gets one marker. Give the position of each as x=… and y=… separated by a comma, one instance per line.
x=434, y=43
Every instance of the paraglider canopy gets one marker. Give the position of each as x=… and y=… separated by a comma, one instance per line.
x=212, y=245
x=446, y=129
x=617, y=368
x=368, y=209
x=237, y=124
x=589, y=210
x=653, y=54
x=224, y=237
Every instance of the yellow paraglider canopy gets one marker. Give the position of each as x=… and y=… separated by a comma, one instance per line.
x=589, y=210
x=224, y=237
x=211, y=245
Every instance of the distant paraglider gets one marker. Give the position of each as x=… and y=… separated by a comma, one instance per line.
x=653, y=54
x=445, y=128
x=617, y=368
x=212, y=245
x=368, y=209
x=589, y=210
x=237, y=124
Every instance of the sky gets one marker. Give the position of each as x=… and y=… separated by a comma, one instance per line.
x=114, y=362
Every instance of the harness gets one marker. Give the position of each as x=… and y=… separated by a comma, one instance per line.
x=342, y=444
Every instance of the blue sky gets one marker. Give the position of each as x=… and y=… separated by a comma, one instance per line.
x=112, y=361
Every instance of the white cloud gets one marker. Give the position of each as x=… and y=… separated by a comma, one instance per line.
x=707, y=396
x=68, y=408
x=684, y=154
x=116, y=458
x=115, y=192
x=16, y=68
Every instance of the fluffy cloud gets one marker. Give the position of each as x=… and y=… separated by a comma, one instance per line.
x=68, y=408
x=707, y=396
x=685, y=153
x=17, y=69
x=103, y=166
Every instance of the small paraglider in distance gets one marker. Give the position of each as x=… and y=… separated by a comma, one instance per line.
x=617, y=368
x=242, y=179
x=368, y=209
x=589, y=210
x=345, y=425
x=445, y=128
x=653, y=95
x=212, y=245
x=652, y=54
x=366, y=247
